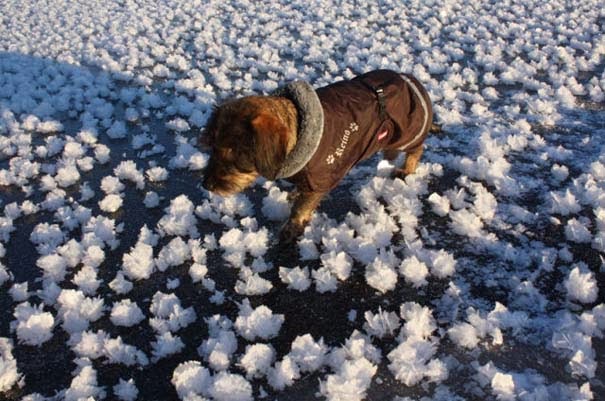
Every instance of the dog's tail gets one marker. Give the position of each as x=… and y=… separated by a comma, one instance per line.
x=435, y=128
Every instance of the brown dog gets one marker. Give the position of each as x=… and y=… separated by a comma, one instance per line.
x=314, y=137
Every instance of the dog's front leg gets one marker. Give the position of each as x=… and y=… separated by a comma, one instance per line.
x=293, y=195
x=304, y=205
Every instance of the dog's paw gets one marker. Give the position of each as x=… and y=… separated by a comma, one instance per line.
x=293, y=195
x=399, y=173
x=290, y=233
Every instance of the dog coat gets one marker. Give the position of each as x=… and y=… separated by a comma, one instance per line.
x=378, y=110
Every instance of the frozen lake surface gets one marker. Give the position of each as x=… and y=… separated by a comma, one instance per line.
x=480, y=277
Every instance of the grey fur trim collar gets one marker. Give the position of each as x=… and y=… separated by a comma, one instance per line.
x=310, y=126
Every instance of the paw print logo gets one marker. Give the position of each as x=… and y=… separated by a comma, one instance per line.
x=354, y=127
x=330, y=159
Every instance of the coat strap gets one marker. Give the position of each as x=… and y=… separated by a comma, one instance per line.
x=380, y=97
x=382, y=107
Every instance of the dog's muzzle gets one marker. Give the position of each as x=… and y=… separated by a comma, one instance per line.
x=217, y=186
x=208, y=184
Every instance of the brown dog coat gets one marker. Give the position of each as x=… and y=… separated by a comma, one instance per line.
x=375, y=111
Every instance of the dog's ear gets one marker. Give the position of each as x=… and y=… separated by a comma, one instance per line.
x=204, y=141
x=270, y=144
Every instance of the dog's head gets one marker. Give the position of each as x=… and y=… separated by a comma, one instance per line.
x=246, y=140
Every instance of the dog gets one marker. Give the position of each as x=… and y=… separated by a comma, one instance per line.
x=313, y=138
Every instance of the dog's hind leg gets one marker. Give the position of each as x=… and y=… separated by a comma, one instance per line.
x=412, y=159
x=302, y=211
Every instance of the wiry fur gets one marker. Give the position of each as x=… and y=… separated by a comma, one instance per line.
x=248, y=136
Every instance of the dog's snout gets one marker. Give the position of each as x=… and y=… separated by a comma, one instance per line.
x=208, y=184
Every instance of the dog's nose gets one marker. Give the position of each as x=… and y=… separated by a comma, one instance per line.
x=207, y=184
